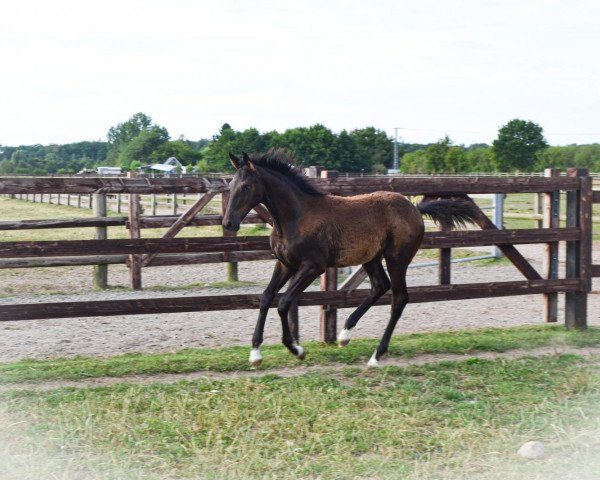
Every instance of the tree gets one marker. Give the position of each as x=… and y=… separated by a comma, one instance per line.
x=588, y=156
x=435, y=156
x=6, y=166
x=456, y=160
x=443, y=157
x=122, y=134
x=480, y=159
x=180, y=149
x=216, y=154
x=347, y=154
x=517, y=144
x=373, y=146
x=413, y=162
x=140, y=148
x=315, y=145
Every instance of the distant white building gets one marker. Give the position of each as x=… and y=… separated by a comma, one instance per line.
x=108, y=171
x=170, y=166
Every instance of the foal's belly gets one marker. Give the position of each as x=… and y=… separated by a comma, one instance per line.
x=356, y=251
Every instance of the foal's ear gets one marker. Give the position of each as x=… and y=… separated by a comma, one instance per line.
x=235, y=161
x=247, y=162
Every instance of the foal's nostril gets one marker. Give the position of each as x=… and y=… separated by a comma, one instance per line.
x=229, y=226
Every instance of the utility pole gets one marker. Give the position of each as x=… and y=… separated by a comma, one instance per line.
x=396, y=165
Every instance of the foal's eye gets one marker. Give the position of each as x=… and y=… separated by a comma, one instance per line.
x=246, y=188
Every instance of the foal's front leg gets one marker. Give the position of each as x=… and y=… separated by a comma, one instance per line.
x=281, y=274
x=302, y=279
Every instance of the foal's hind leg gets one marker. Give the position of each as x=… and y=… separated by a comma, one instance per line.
x=397, y=270
x=380, y=284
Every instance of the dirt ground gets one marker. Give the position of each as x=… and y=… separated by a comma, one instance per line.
x=107, y=336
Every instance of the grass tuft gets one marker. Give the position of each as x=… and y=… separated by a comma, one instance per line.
x=448, y=420
x=236, y=358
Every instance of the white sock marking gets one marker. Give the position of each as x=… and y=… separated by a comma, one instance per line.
x=255, y=355
x=373, y=361
x=345, y=335
x=299, y=350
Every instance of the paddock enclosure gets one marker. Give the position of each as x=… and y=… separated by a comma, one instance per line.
x=201, y=195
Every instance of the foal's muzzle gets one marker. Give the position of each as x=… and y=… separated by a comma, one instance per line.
x=231, y=226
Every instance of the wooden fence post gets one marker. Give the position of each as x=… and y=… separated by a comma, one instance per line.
x=445, y=265
x=551, y=220
x=579, y=203
x=328, y=324
x=134, y=261
x=537, y=208
x=232, y=267
x=100, y=271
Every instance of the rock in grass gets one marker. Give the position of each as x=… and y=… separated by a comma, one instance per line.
x=532, y=450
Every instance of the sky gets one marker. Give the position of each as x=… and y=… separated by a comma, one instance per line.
x=71, y=69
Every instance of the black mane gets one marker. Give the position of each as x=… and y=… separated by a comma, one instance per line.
x=280, y=161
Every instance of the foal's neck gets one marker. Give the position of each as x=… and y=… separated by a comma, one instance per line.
x=286, y=202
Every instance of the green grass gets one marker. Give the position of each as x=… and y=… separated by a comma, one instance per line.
x=487, y=262
x=434, y=254
x=13, y=209
x=451, y=420
x=199, y=285
x=236, y=358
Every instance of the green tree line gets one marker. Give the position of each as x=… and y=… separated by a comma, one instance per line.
x=44, y=159
x=361, y=150
x=139, y=141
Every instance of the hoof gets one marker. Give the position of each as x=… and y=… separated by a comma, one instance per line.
x=344, y=338
x=373, y=362
x=300, y=352
x=255, y=358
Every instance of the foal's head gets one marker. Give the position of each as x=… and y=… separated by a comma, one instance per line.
x=245, y=191
x=255, y=175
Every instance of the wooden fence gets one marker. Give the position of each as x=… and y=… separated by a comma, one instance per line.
x=140, y=253
x=119, y=203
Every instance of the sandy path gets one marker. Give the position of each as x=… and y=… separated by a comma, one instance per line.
x=106, y=336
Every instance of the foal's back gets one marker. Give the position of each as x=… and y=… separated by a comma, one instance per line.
x=362, y=227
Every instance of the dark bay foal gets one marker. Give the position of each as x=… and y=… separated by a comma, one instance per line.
x=313, y=231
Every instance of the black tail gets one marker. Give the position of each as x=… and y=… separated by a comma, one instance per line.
x=448, y=212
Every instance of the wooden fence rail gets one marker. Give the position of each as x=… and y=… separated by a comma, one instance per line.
x=165, y=251
x=339, y=298
x=339, y=185
x=117, y=202
x=451, y=239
